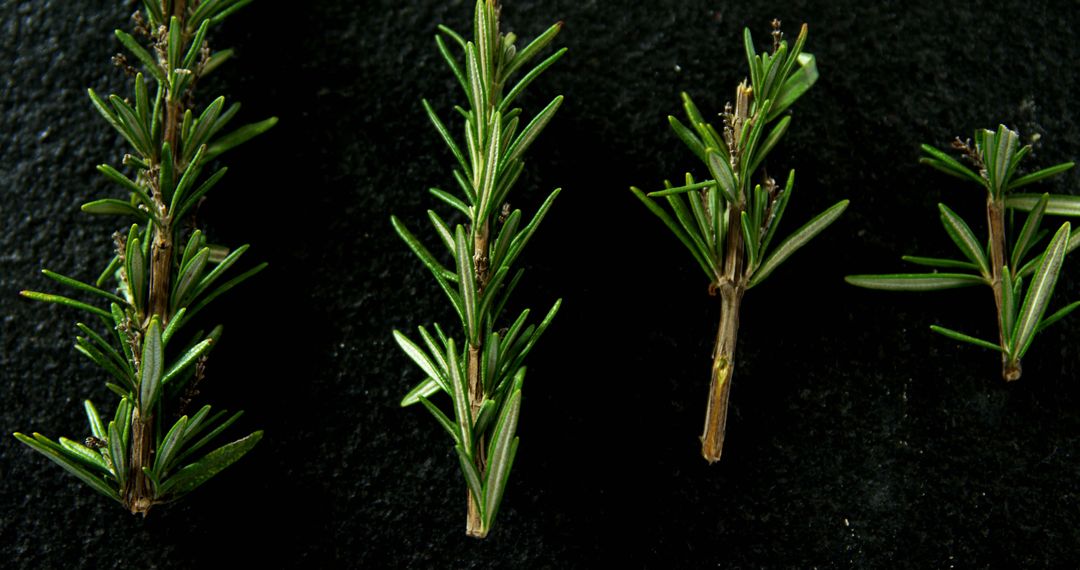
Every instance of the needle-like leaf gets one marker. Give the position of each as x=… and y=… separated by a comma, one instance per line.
x=109, y=206
x=501, y=451
x=186, y=360
x=467, y=285
x=939, y=262
x=423, y=361
x=1057, y=316
x=97, y=428
x=688, y=138
x=530, y=77
x=796, y=240
x=84, y=455
x=796, y=85
x=425, y=389
x=190, y=274
x=151, y=366
x=54, y=453
x=948, y=164
x=141, y=54
x=1031, y=227
x=1008, y=305
x=532, y=130
x=964, y=338
x=445, y=135
x=721, y=171
x=239, y=136
x=1040, y=175
x=80, y=286
x=459, y=391
x=60, y=300
x=1056, y=204
x=118, y=372
x=445, y=422
x=1038, y=296
x=187, y=479
x=915, y=281
x=168, y=447
x=526, y=233
x=442, y=275
x=964, y=238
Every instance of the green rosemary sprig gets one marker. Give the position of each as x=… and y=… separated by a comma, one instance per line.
x=137, y=458
x=482, y=372
x=996, y=157
x=727, y=222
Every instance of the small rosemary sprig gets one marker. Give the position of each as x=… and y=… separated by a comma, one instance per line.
x=727, y=222
x=144, y=455
x=483, y=373
x=996, y=157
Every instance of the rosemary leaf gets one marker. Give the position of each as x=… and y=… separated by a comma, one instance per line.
x=915, y=281
x=964, y=238
x=53, y=452
x=1056, y=204
x=188, y=478
x=797, y=239
x=1038, y=296
x=965, y=338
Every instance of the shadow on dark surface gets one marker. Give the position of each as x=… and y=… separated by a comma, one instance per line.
x=857, y=438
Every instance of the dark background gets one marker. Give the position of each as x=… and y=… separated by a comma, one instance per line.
x=857, y=437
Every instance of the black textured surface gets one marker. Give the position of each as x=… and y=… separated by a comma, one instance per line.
x=857, y=437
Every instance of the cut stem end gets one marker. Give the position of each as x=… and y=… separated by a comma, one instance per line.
x=1011, y=371
x=474, y=525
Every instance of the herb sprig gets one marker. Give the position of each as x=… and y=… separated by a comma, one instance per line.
x=144, y=455
x=996, y=157
x=483, y=372
x=726, y=221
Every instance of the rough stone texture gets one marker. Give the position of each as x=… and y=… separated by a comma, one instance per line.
x=857, y=437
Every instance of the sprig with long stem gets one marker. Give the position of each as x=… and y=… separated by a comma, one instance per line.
x=152, y=451
x=996, y=157
x=727, y=221
x=482, y=370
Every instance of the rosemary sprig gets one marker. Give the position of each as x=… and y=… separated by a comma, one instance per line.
x=726, y=221
x=483, y=371
x=996, y=159
x=136, y=457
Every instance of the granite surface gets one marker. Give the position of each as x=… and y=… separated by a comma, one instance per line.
x=857, y=437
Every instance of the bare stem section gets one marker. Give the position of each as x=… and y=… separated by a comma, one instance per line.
x=723, y=369
x=995, y=218
x=138, y=495
x=474, y=525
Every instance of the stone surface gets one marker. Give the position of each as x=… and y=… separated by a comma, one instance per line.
x=857, y=437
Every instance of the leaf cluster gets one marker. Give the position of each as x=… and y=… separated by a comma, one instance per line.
x=481, y=275
x=102, y=460
x=727, y=214
x=996, y=158
x=138, y=345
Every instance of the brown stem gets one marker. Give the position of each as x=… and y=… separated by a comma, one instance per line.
x=474, y=524
x=138, y=495
x=995, y=218
x=723, y=368
x=160, y=273
x=731, y=288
